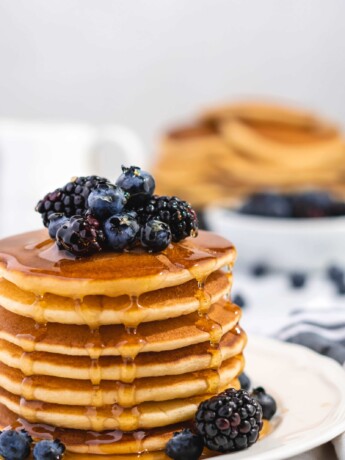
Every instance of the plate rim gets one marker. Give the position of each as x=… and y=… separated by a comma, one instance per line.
x=335, y=429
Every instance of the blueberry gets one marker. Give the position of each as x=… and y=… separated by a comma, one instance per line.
x=121, y=231
x=341, y=287
x=298, y=280
x=49, y=450
x=268, y=404
x=155, y=235
x=239, y=300
x=56, y=220
x=311, y=204
x=106, y=200
x=139, y=184
x=260, y=269
x=335, y=273
x=185, y=445
x=267, y=205
x=244, y=381
x=15, y=445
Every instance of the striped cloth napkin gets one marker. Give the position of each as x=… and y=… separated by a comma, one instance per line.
x=322, y=330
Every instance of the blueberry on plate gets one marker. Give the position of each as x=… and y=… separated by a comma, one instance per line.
x=15, y=445
x=244, y=381
x=106, y=200
x=298, y=280
x=56, y=220
x=185, y=445
x=155, y=235
x=121, y=231
x=49, y=450
x=139, y=184
x=268, y=404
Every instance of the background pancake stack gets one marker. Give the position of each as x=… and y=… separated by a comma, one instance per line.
x=113, y=352
x=241, y=149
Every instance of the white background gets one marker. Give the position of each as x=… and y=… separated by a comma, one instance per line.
x=148, y=63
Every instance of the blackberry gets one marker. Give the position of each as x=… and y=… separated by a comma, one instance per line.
x=230, y=421
x=178, y=214
x=185, y=445
x=69, y=200
x=80, y=235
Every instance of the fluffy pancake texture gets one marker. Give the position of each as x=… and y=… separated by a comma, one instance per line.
x=243, y=148
x=113, y=353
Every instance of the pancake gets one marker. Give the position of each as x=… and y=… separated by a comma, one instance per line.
x=173, y=362
x=84, y=393
x=92, y=442
x=33, y=262
x=114, y=352
x=113, y=417
x=233, y=151
x=114, y=340
x=101, y=310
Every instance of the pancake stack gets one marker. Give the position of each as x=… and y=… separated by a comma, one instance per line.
x=246, y=148
x=114, y=352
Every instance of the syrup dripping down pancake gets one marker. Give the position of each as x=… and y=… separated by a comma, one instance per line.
x=114, y=417
x=173, y=362
x=101, y=310
x=113, y=339
x=33, y=262
x=83, y=393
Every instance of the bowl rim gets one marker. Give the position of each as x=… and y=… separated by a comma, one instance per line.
x=334, y=224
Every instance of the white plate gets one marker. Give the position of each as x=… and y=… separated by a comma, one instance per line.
x=287, y=244
x=310, y=391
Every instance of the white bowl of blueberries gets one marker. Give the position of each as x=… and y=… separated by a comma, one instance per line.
x=304, y=231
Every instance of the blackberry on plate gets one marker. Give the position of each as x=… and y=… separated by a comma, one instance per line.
x=139, y=184
x=49, y=450
x=185, y=445
x=71, y=199
x=15, y=445
x=106, y=200
x=178, y=214
x=80, y=235
x=155, y=235
x=230, y=421
x=121, y=231
x=268, y=404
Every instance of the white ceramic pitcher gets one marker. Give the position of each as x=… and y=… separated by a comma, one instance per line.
x=37, y=157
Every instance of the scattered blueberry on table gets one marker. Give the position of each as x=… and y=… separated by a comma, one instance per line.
x=259, y=270
x=298, y=280
x=239, y=300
